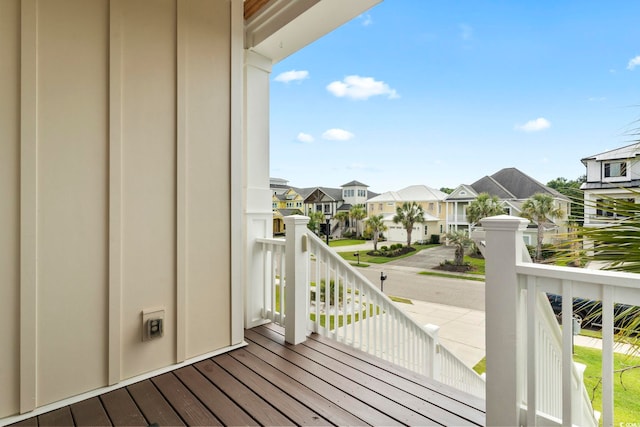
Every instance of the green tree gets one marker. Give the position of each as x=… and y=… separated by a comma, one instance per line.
x=461, y=241
x=540, y=209
x=315, y=219
x=357, y=213
x=446, y=190
x=571, y=189
x=375, y=225
x=408, y=215
x=483, y=206
x=342, y=218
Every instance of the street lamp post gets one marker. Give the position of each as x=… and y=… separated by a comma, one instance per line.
x=327, y=229
x=383, y=277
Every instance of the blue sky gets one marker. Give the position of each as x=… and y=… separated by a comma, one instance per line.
x=442, y=93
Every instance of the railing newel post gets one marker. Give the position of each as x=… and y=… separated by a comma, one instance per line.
x=296, y=279
x=434, y=357
x=503, y=326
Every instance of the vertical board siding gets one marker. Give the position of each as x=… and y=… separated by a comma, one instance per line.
x=10, y=204
x=149, y=186
x=72, y=185
x=28, y=204
x=207, y=175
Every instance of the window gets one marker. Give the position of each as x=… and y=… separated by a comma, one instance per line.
x=327, y=208
x=318, y=208
x=615, y=169
x=607, y=208
x=379, y=206
x=431, y=207
x=362, y=193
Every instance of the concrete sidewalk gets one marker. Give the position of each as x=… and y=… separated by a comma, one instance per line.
x=461, y=329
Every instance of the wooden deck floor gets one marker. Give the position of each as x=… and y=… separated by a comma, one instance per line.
x=269, y=382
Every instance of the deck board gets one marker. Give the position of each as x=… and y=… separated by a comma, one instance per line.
x=89, y=412
x=122, y=410
x=269, y=382
x=421, y=411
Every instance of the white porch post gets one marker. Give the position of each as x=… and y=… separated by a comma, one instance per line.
x=503, y=251
x=297, y=279
x=258, y=213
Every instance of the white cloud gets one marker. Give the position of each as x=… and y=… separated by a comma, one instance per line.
x=633, y=63
x=292, y=76
x=366, y=20
x=535, y=125
x=466, y=31
x=357, y=166
x=356, y=87
x=337, y=135
x=304, y=137
x=597, y=99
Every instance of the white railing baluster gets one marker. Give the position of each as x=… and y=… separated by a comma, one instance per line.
x=607, y=356
x=532, y=351
x=567, y=352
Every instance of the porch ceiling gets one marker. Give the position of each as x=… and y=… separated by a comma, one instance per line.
x=278, y=28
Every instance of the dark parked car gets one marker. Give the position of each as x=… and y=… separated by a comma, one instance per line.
x=589, y=311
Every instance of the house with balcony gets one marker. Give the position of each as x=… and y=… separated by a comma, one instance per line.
x=613, y=174
x=512, y=187
x=431, y=201
x=130, y=297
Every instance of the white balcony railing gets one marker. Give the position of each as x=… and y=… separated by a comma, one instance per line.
x=335, y=300
x=531, y=376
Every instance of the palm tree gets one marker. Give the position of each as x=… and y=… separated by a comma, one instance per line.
x=539, y=209
x=357, y=213
x=376, y=226
x=342, y=217
x=483, y=206
x=461, y=241
x=408, y=214
x=315, y=219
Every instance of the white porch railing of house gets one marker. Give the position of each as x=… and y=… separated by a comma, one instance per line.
x=335, y=300
x=528, y=381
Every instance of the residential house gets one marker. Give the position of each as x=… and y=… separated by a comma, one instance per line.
x=611, y=174
x=123, y=124
x=512, y=187
x=431, y=201
x=285, y=203
x=330, y=201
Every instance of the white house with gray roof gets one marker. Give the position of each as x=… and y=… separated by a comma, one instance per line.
x=512, y=187
x=610, y=174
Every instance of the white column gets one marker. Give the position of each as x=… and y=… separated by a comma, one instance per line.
x=296, y=279
x=258, y=214
x=503, y=251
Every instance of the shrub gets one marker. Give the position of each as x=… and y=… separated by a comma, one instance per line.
x=323, y=291
x=384, y=248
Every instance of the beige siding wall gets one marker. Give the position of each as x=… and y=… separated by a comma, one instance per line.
x=115, y=183
x=9, y=204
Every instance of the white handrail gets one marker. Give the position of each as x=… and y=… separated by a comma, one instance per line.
x=347, y=307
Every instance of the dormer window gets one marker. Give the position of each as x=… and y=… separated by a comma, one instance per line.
x=615, y=169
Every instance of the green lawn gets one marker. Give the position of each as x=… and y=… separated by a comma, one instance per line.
x=345, y=242
x=451, y=276
x=625, y=393
x=364, y=258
